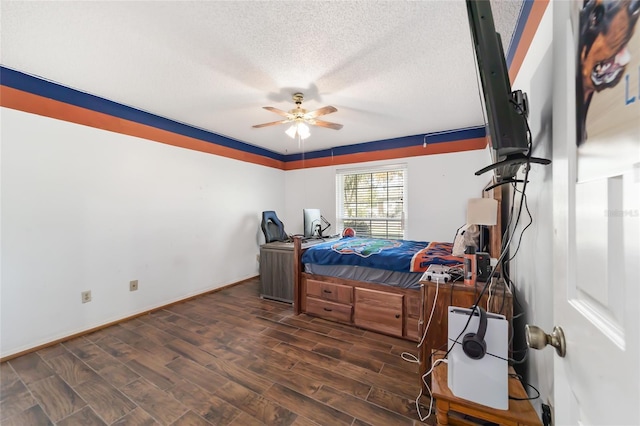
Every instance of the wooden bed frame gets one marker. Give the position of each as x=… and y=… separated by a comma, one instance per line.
x=389, y=310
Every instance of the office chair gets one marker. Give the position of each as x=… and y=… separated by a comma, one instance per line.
x=272, y=227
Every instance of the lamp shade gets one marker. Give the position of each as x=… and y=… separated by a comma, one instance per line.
x=482, y=211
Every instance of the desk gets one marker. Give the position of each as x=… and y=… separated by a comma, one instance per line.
x=277, y=269
x=519, y=412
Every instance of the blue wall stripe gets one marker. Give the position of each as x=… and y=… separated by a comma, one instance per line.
x=38, y=86
x=527, y=5
x=48, y=89
x=403, y=142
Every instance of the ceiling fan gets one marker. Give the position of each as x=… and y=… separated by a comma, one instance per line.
x=299, y=117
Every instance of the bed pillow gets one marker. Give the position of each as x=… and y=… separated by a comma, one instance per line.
x=467, y=235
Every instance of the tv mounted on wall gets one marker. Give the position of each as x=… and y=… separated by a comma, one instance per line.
x=506, y=110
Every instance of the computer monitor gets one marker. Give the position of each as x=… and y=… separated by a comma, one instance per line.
x=312, y=223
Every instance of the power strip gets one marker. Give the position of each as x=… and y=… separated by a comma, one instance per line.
x=437, y=273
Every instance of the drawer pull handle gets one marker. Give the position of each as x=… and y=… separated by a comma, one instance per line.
x=327, y=291
x=328, y=310
x=397, y=315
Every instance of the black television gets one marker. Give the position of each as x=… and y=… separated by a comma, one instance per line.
x=506, y=110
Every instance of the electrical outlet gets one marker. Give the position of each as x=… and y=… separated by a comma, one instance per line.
x=258, y=257
x=133, y=285
x=85, y=296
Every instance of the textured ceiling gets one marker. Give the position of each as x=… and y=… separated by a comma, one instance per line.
x=391, y=68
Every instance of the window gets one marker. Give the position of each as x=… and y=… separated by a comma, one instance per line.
x=372, y=201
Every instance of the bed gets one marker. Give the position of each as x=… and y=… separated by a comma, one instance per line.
x=397, y=263
x=372, y=284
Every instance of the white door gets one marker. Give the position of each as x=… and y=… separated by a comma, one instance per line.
x=596, y=248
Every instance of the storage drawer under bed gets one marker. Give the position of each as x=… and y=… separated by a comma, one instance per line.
x=329, y=291
x=326, y=309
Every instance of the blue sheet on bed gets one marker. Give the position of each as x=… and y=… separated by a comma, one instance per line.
x=392, y=255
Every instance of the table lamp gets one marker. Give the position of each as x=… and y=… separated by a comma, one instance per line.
x=482, y=212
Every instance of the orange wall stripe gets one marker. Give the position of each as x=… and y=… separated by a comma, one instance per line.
x=35, y=104
x=533, y=21
x=413, y=151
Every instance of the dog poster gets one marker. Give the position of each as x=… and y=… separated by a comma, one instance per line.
x=607, y=87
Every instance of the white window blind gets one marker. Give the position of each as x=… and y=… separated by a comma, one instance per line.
x=372, y=201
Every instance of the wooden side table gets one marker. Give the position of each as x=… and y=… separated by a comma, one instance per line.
x=519, y=412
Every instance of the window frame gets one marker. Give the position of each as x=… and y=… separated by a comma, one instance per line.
x=341, y=217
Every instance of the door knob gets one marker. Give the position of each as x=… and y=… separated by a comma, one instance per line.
x=538, y=339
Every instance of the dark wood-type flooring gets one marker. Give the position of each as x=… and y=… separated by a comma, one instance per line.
x=225, y=358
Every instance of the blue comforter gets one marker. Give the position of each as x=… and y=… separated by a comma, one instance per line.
x=392, y=255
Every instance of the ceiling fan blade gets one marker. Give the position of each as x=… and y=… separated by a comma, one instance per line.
x=321, y=111
x=327, y=124
x=273, y=123
x=278, y=111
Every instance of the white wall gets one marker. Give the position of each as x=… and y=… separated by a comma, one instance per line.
x=438, y=185
x=87, y=209
x=532, y=268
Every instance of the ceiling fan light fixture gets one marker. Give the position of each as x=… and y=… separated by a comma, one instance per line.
x=298, y=129
x=291, y=131
x=303, y=130
x=300, y=118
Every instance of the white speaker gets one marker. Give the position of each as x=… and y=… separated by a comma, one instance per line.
x=485, y=380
